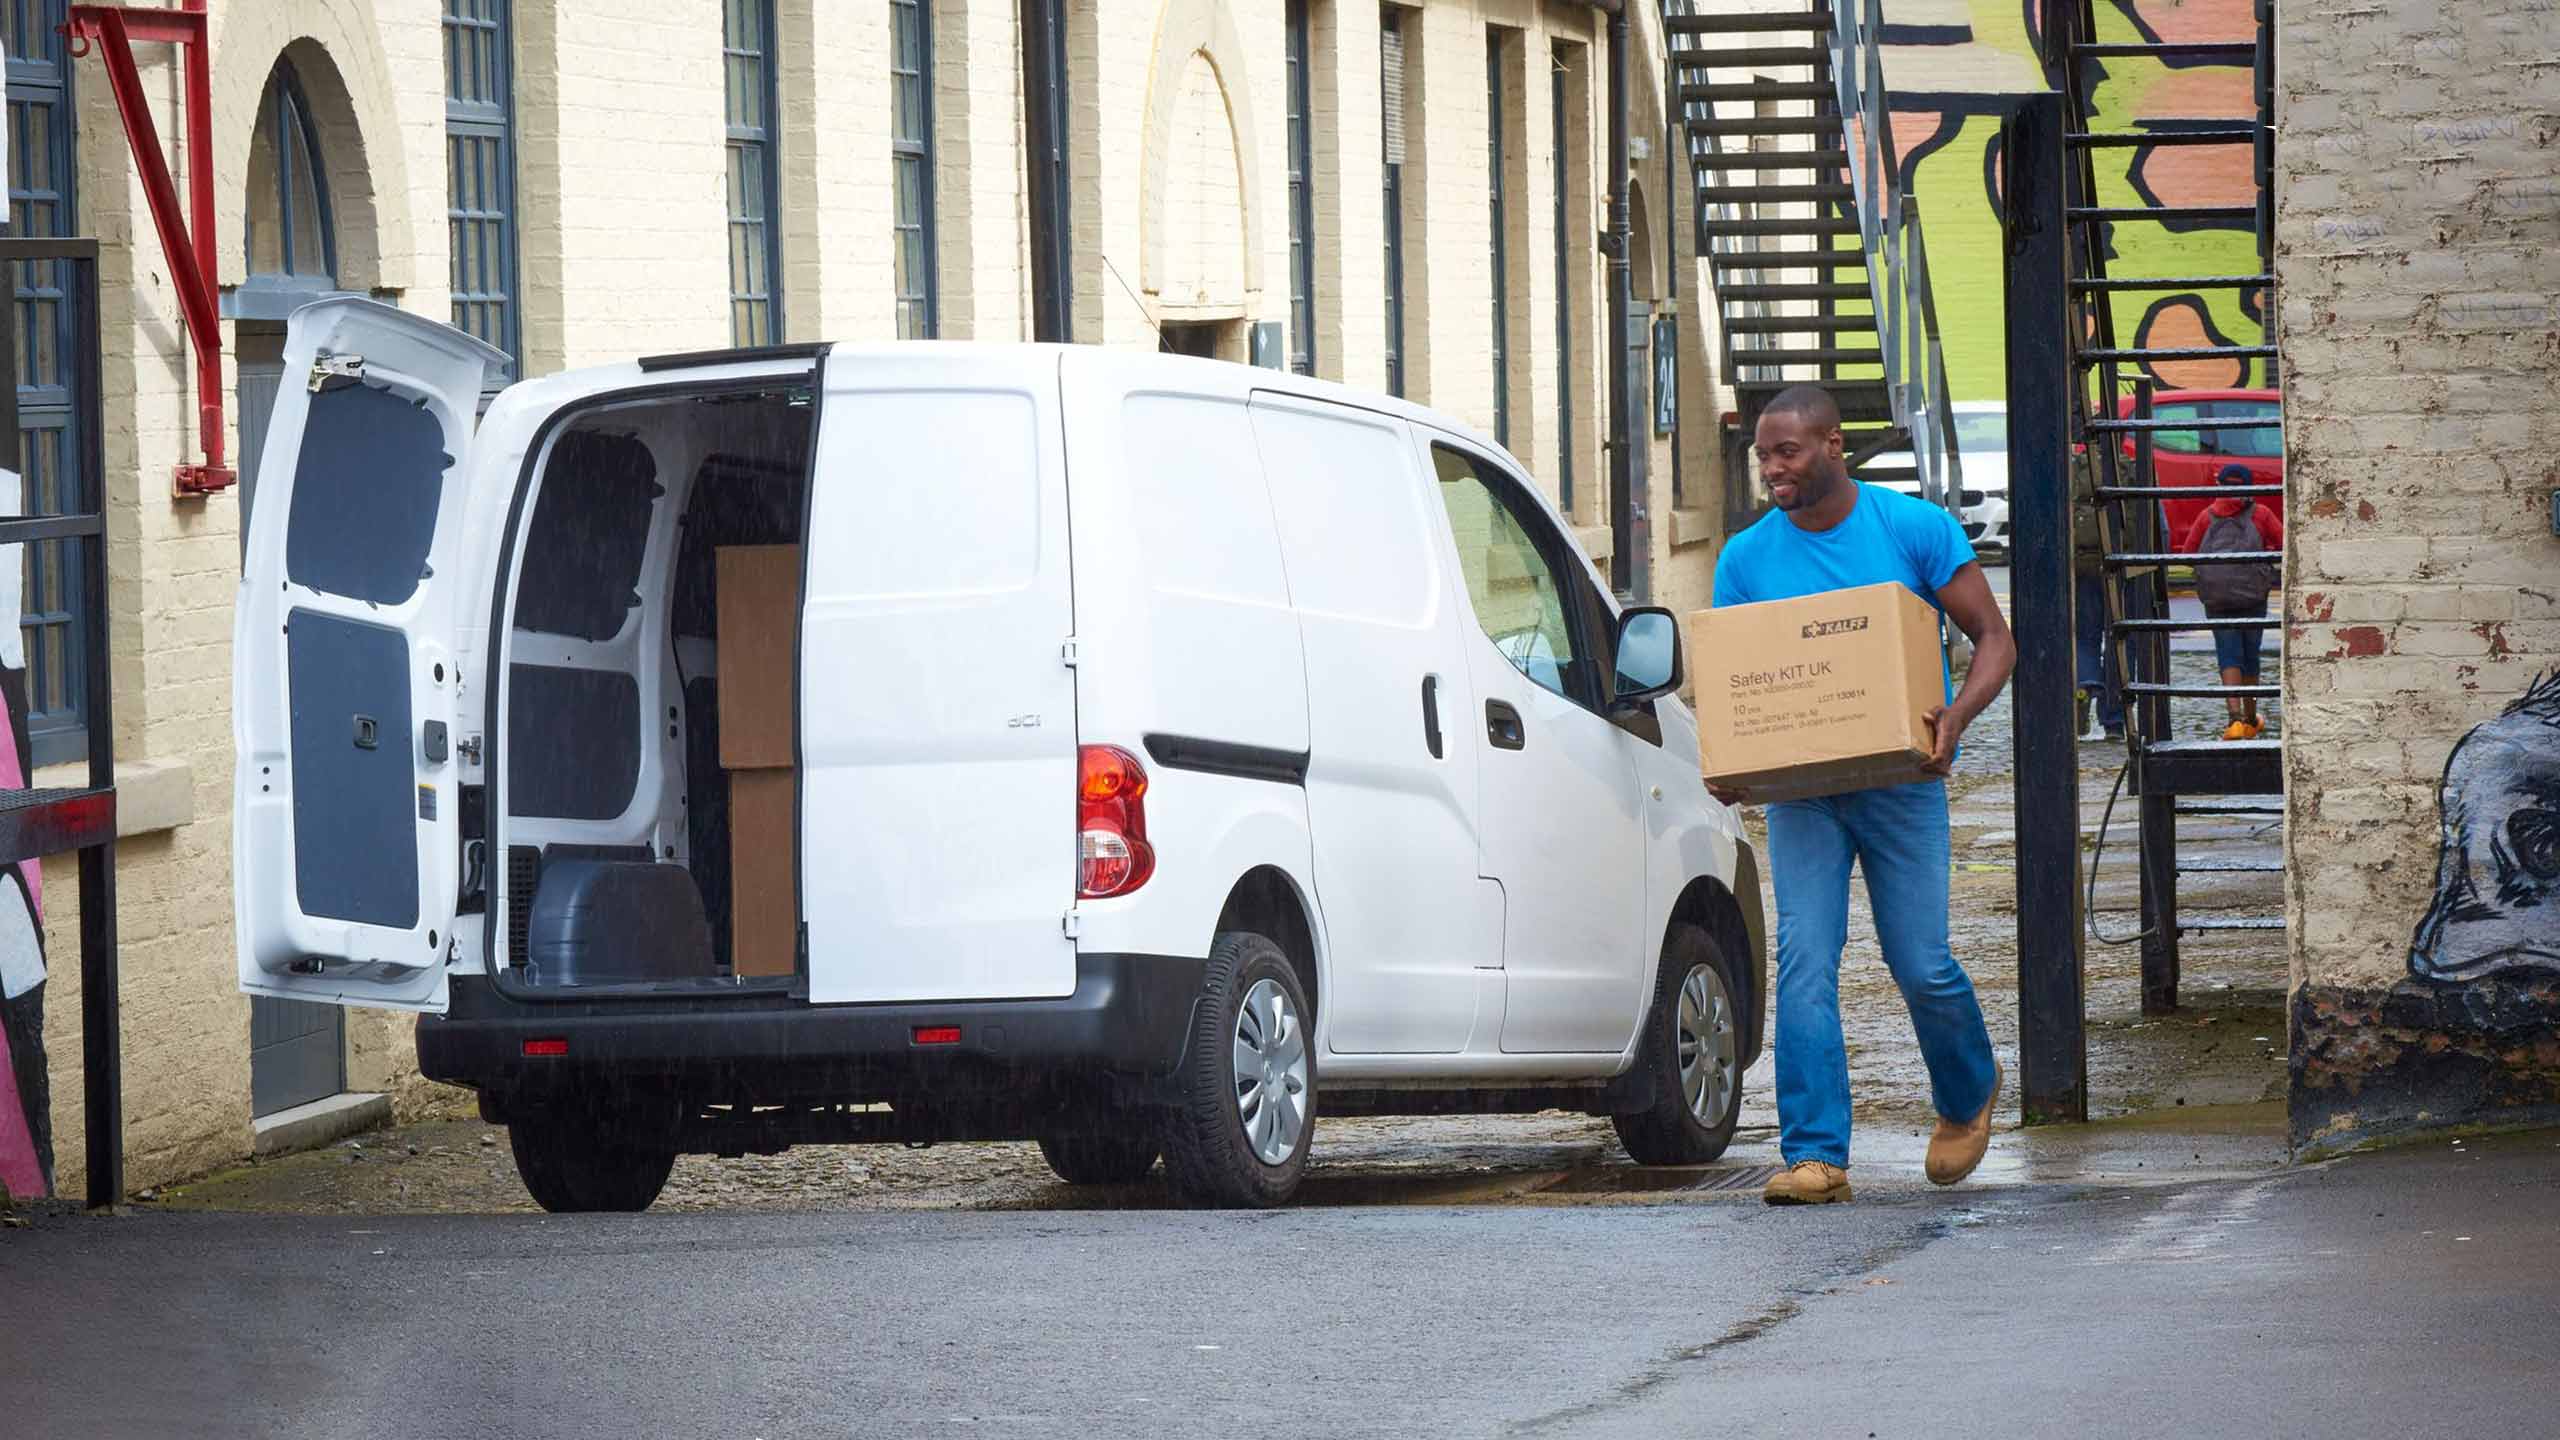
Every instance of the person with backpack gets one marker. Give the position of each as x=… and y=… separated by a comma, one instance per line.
x=2236, y=589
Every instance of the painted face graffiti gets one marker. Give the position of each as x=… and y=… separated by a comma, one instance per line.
x=2497, y=902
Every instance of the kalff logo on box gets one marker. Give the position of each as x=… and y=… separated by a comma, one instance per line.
x=1820, y=628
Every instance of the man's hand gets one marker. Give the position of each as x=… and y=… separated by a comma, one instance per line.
x=1734, y=799
x=1945, y=731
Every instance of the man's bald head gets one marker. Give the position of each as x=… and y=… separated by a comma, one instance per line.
x=1799, y=447
x=1810, y=405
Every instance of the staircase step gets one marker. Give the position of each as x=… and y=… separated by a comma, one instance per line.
x=2208, y=692
x=2127, y=139
x=1788, y=259
x=2230, y=867
x=1746, y=24
x=1858, y=291
x=1759, y=90
x=1756, y=56
x=1783, y=194
x=2140, y=559
x=1786, y=324
x=1808, y=225
x=2174, y=282
x=1767, y=159
x=2173, y=627
x=1824, y=125
x=2186, y=492
x=2233, y=52
x=2233, y=922
x=1860, y=401
x=1778, y=355
x=2163, y=213
x=2175, y=352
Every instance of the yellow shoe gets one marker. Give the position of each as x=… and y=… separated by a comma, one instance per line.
x=2243, y=730
x=1955, y=1149
x=1807, y=1182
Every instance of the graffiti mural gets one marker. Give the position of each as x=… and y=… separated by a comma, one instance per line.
x=2497, y=898
x=26, y=1109
x=1948, y=136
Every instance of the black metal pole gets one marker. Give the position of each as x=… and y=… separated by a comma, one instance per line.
x=2053, y=1060
x=101, y=1007
x=1044, y=142
x=1624, y=564
x=2156, y=808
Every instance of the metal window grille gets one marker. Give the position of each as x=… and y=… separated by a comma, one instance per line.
x=54, y=626
x=1302, y=223
x=480, y=170
x=911, y=151
x=1501, y=271
x=755, y=237
x=1564, y=295
x=1391, y=106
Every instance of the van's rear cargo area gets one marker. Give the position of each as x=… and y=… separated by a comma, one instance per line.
x=649, y=728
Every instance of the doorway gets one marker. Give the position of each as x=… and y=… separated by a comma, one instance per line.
x=1208, y=339
x=297, y=1049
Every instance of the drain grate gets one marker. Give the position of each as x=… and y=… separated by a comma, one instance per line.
x=1747, y=1177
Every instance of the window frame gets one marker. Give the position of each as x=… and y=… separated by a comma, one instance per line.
x=1590, y=620
x=927, y=299
x=765, y=142
x=1392, y=104
x=1302, y=184
x=1557, y=74
x=1497, y=185
x=40, y=75
x=494, y=121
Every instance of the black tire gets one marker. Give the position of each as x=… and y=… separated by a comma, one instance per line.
x=1095, y=1156
x=570, y=1167
x=1208, y=1157
x=1669, y=1131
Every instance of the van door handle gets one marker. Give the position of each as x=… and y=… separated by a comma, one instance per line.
x=1431, y=714
x=1502, y=726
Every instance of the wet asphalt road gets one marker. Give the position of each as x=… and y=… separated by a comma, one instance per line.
x=2409, y=1293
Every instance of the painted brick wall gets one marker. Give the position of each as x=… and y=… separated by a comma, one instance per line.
x=2416, y=211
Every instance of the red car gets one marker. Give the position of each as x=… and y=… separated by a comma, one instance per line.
x=2193, y=457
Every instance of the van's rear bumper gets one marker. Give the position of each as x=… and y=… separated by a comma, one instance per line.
x=1128, y=1016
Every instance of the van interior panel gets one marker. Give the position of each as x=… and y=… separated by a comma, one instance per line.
x=372, y=463
x=355, y=796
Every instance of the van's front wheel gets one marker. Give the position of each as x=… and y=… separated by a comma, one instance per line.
x=1247, y=1108
x=569, y=1167
x=1692, y=1045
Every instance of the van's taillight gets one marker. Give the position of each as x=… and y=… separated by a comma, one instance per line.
x=1112, y=854
x=546, y=1047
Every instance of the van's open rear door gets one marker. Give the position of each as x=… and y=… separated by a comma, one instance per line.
x=344, y=808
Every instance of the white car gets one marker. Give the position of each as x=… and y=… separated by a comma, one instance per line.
x=1123, y=756
x=1982, y=445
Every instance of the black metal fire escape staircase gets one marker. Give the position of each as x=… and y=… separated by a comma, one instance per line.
x=1812, y=240
x=2172, y=777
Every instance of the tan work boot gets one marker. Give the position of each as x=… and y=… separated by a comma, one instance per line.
x=1955, y=1149
x=1807, y=1182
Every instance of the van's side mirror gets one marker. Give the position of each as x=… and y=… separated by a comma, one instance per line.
x=1648, y=656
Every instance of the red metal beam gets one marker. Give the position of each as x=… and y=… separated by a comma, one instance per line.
x=187, y=240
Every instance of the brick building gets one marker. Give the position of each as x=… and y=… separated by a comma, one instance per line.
x=2416, y=207
x=1398, y=197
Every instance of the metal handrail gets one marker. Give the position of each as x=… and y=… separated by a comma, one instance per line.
x=1897, y=261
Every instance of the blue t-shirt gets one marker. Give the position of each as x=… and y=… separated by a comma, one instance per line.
x=1888, y=537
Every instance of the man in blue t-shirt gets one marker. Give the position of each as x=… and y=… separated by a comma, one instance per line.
x=1830, y=532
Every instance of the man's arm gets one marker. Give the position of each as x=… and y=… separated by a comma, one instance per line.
x=1968, y=600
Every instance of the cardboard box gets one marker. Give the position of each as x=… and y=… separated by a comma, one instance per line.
x=1817, y=696
x=759, y=604
x=763, y=859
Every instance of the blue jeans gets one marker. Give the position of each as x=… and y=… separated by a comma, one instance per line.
x=2089, y=610
x=1898, y=836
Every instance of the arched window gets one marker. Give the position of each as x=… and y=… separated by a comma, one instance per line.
x=288, y=230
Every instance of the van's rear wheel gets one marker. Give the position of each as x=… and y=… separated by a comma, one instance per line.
x=570, y=1167
x=1692, y=1045
x=1090, y=1157
x=1247, y=1108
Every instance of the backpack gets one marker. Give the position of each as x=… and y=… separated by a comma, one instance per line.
x=2233, y=586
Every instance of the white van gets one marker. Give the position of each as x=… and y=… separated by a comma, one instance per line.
x=1155, y=753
